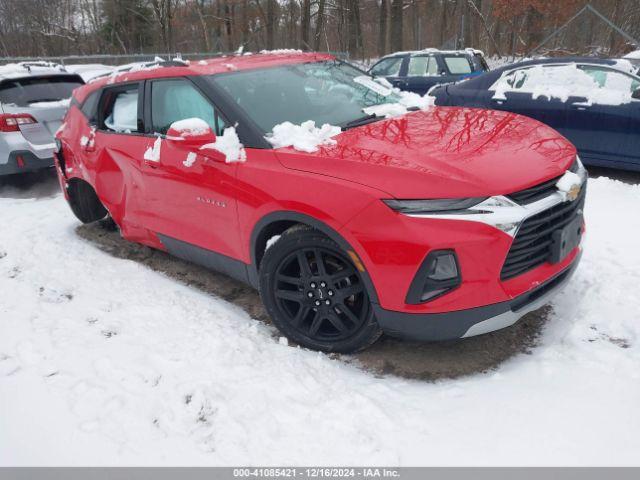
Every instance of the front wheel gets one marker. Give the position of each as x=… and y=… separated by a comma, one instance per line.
x=315, y=295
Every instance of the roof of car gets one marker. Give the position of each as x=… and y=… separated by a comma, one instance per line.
x=28, y=69
x=434, y=51
x=212, y=66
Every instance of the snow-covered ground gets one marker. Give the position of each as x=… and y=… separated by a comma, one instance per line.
x=105, y=362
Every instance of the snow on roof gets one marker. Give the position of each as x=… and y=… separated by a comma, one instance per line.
x=25, y=69
x=466, y=51
x=635, y=55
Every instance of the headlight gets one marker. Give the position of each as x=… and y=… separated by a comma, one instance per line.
x=440, y=206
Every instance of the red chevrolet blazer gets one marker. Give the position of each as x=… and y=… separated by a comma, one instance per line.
x=436, y=223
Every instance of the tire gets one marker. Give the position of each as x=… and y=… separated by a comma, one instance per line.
x=84, y=202
x=315, y=295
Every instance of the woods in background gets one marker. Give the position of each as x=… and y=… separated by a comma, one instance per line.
x=363, y=28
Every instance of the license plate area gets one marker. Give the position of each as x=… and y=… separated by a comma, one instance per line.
x=564, y=240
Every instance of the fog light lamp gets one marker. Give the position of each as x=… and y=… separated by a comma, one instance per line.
x=438, y=275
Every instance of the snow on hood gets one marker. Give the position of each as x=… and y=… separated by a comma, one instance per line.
x=441, y=151
x=562, y=82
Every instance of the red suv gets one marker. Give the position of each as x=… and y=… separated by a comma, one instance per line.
x=435, y=224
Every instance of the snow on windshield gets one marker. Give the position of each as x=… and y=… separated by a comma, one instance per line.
x=406, y=100
x=305, y=137
x=597, y=85
x=228, y=144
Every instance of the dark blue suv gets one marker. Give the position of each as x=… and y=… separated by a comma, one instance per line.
x=420, y=70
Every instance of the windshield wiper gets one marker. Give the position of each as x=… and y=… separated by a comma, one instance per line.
x=361, y=121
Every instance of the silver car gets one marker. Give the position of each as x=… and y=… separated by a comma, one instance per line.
x=34, y=98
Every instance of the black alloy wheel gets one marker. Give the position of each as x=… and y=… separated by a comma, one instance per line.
x=314, y=293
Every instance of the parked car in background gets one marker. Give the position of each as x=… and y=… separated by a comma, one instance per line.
x=634, y=59
x=434, y=224
x=418, y=71
x=590, y=101
x=33, y=100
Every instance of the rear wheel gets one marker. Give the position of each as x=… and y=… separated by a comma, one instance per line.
x=84, y=202
x=314, y=293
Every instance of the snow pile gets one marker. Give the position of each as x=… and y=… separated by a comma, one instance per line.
x=305, y=137
x=228, y=144
x=406, y=100
x=624, y=66
x=230, y=66
x=190, y=160
x=190, y=127
x=562, y=82
x=153, y=153
x=635, y=55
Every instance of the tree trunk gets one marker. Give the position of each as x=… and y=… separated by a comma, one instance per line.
x=319, y=25
x=396, y=25
x=382, y=27
x=305, y=24
x=354, y=41
x=271, y=23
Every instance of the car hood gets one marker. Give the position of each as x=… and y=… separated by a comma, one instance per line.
x=443, y=152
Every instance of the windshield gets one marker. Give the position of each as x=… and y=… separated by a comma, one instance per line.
x=23, y=92
x=326, y=92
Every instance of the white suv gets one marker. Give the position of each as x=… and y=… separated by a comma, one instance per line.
x=34, y=98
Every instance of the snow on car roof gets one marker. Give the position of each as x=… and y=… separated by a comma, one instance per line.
x=635, y=55
x=466, y=51
x=25, y=69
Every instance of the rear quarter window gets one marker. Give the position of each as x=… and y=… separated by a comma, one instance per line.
x=119, y=109
x=457, y=65
x=89, y=107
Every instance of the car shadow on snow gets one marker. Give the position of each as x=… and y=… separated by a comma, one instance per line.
x=415, y=360
x=38, y=184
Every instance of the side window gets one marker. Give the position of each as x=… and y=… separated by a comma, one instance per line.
x=389, y=67
x=610, y=79
x=178, y=99
x=514, y=80
x=120, y=109
x=458, y=65
x=422, y=67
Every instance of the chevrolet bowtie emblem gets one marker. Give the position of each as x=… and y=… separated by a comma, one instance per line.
x=573, y=193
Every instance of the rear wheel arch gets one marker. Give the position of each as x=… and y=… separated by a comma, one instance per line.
x=276, y=223
x=84, y=201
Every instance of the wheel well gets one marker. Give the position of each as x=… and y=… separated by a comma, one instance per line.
x=84, y=201
x=269, y=231
x=277, y=223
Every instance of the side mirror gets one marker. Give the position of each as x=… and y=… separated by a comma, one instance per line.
x=191, y=132
x=636, y=94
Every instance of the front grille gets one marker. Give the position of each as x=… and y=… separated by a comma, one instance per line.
x=530, y=195
x=532, y=244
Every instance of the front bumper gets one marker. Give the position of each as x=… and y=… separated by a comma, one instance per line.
x=30, y=162
x=473, y=321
